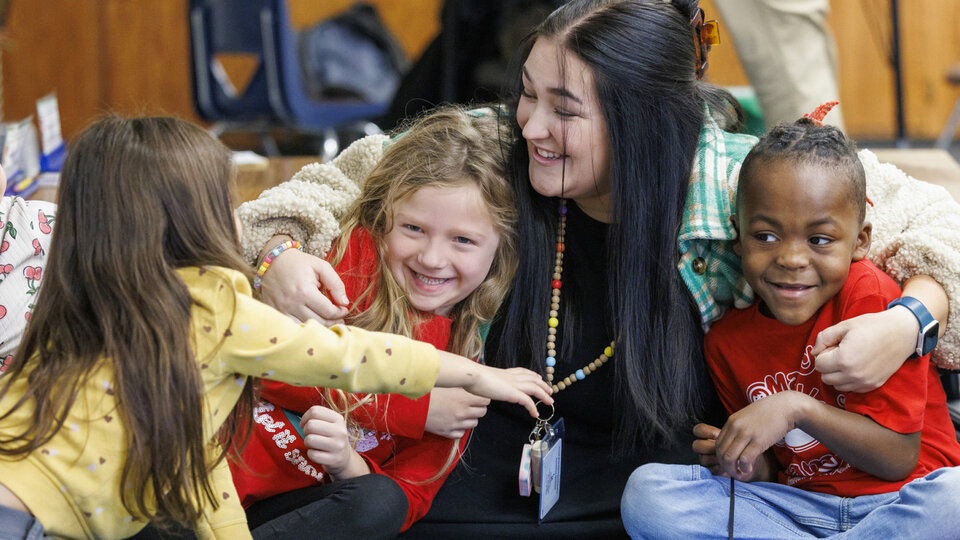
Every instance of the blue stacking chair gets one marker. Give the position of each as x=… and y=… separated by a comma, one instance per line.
x=276, y=96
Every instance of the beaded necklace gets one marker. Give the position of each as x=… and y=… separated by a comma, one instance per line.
x=554, y=321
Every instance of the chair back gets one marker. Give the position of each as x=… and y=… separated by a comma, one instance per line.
x=288, y=93
x=276, y=92
x=223, y=28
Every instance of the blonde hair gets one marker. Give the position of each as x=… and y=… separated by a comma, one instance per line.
x=448, y=147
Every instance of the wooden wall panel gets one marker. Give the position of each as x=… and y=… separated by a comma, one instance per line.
x=862, y=32
x=146, y=58
x=58, y=51
x=931, y=45
x=930, y=42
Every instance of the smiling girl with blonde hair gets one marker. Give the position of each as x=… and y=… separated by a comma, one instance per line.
x=428, y=250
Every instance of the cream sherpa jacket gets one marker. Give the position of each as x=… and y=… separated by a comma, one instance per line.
x=916, y=225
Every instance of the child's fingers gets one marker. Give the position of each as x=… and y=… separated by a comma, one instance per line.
x=729, y=450
x=319, y=413
x=533, y=384
x=706, y=431
x=705, y=447
x=748, y=459
x=318, y=306
x=331, y=282
x=528, y=404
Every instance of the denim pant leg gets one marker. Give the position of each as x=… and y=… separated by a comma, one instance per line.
x=925, y=508
x=687, y=501
x=17, y=525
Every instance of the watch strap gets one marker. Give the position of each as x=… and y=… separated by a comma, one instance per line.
x=929, y=327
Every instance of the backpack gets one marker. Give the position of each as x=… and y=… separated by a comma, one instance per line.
x=351, y=55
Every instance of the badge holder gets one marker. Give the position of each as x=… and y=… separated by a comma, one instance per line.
x=549, y=469
x=540, y=462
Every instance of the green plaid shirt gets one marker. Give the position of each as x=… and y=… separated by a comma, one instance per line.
x=708, y=265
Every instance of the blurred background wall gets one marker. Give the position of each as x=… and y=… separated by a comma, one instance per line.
x=132, y=57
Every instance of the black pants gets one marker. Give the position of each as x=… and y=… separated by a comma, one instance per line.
x=369, y=506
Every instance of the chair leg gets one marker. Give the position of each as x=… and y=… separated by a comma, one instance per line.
x=946, y=136
x=269, y=144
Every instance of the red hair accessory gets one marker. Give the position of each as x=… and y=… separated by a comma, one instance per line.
x=820, y=112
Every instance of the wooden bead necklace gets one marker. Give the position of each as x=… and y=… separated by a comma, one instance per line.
x=554, y=321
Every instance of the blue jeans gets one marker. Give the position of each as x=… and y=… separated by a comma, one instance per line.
x=17, y=525
x=687, y=501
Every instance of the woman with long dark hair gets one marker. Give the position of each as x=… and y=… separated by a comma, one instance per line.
x=625, y=176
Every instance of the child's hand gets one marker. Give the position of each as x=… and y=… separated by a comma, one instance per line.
x=453, y=411
x=750, y=431
x=328, y=444
x=515, y=385
x=295, y=284
x=705, y=446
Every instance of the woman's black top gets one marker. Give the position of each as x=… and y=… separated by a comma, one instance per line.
x=480, y=498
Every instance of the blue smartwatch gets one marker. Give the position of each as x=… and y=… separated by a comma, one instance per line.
x=929, y=327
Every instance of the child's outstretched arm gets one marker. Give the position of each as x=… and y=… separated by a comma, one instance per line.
x=857, y=439
x=253, y=339
x=516, y=385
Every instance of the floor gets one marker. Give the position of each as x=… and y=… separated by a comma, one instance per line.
x=954, y=149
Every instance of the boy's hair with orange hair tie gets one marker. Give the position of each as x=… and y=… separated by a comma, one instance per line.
x=818, y=114
x=809, y=142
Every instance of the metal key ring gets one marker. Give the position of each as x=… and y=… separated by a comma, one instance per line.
x=540, y=416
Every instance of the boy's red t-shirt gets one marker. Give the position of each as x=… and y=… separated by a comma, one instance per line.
x=392, y=441
x=751, y=356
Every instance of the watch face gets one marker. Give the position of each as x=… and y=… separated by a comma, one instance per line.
x=930, y=334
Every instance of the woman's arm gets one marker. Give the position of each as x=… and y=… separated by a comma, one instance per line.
x=308, y=207
x=861, y=353
x=853, y=437
x=916, y=240
x=916, y=232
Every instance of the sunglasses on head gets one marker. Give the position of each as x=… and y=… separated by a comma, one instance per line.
x=705, y=35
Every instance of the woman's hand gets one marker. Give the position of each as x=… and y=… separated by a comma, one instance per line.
x=860, y=354
x=453, y=411
x=295, y=283
x=328, y=444
x=514, y=385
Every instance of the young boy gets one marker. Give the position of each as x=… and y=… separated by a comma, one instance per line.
x=866, y=463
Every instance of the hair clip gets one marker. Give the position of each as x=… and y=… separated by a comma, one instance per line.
x=820, y=112
x=705, y=35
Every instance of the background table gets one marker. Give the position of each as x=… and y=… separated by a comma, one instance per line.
x=251, y=179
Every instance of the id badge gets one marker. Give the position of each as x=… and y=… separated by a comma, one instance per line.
x=549, y=468
x=524, y=477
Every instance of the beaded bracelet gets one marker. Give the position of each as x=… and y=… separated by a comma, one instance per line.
x=269, y=259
